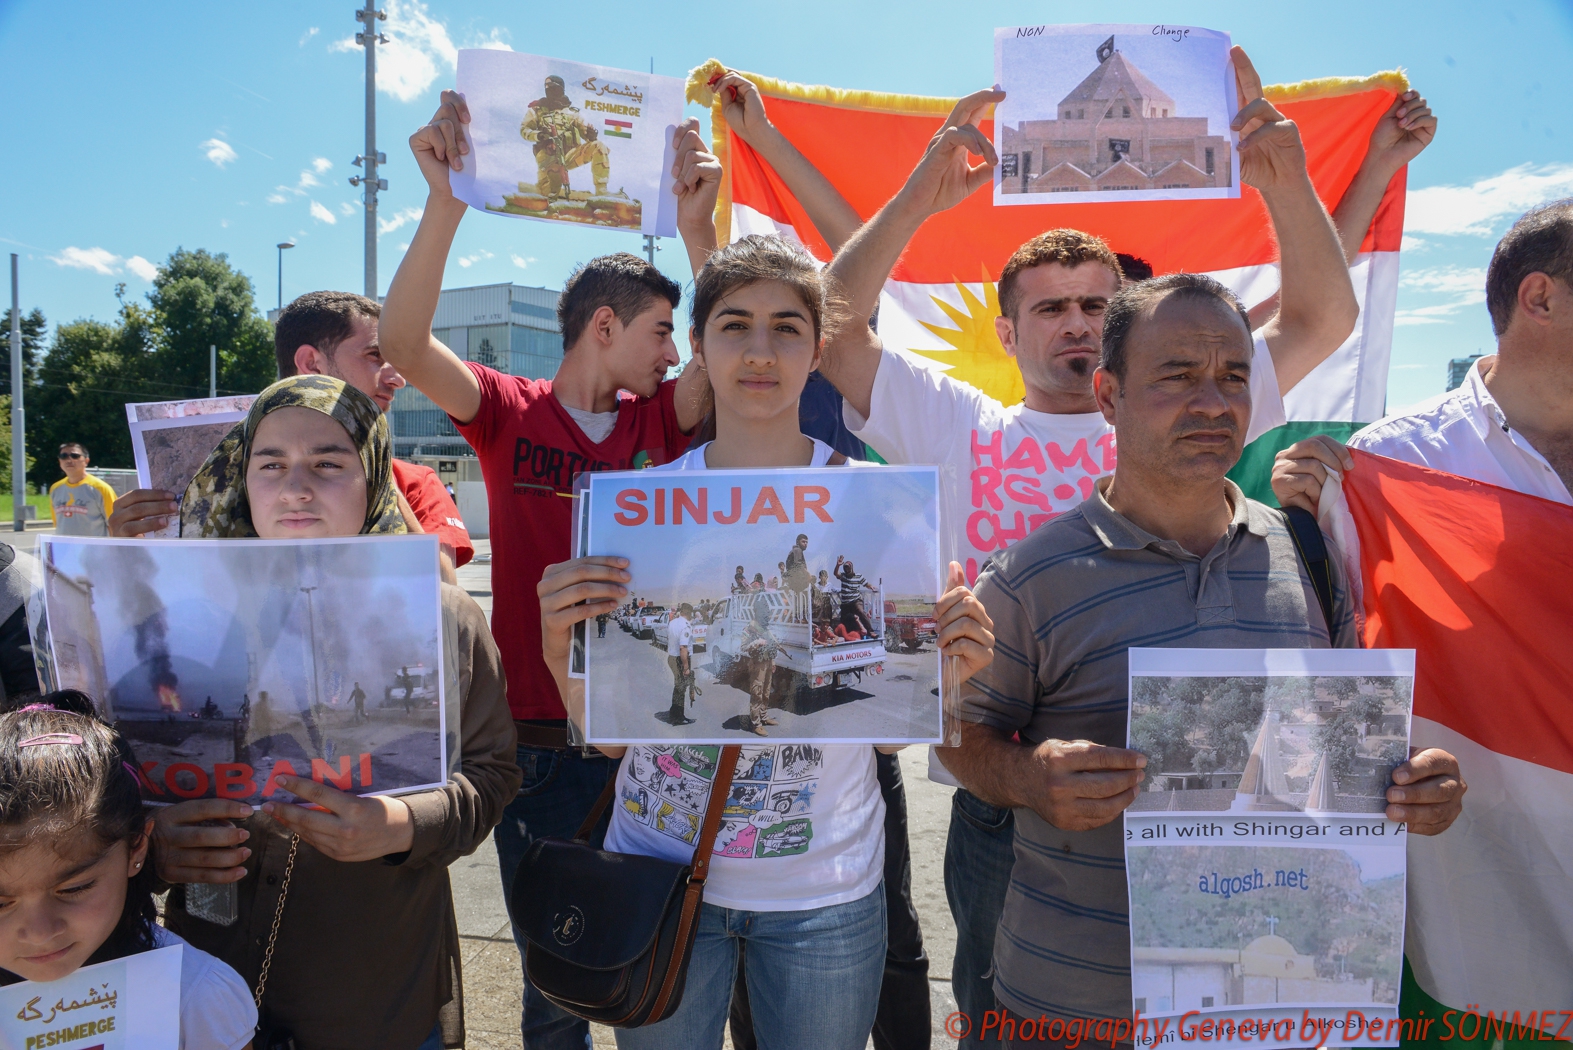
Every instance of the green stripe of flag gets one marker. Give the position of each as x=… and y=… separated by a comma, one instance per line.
x=1254, y=472
x=618, y=134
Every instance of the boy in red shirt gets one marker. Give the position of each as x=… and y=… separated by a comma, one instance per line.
x=609, y=407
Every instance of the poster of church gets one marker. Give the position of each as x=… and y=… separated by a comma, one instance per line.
x=1097, y=113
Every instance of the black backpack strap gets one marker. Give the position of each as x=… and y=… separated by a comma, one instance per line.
x=1308, y=543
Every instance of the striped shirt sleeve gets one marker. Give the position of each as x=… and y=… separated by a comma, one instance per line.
x=1004, y=694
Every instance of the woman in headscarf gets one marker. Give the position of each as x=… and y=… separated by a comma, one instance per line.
x=366, y=953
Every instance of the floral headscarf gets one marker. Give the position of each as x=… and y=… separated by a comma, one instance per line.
x=215, y=503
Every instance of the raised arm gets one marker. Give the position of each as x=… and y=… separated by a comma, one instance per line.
x=1317, y=306
x=743, y=107
x=404, y=331
x=943, y=178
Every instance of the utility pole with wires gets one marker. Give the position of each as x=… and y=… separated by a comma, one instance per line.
x=18, y=419
x=369, y=39
x=651, y=247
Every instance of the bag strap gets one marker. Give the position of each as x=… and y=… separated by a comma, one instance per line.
x=583, y=834
x=1311, y=548
x=693, y=895
x=273, y=932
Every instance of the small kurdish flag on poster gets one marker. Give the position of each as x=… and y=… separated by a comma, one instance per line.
x=623, y=129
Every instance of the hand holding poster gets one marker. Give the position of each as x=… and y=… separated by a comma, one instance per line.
x=124, y=1004
x=170, y=440
x=569, y=142
x=226, y=663
x=1266, y=886
x=1114, y=113
x=793, y=604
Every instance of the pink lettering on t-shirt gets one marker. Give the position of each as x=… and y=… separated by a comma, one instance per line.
x=995, y=449
x=985, y=482
x=1023, y=489
x=1027, y=454
x=1077, y=454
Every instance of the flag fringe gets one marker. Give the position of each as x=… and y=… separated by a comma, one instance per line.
x=700, y=77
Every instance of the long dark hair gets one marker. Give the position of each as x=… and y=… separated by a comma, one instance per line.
x=50, y=793
x=760, y=259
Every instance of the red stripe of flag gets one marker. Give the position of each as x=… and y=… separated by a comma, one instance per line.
x=1474, y=578
x=620, y=123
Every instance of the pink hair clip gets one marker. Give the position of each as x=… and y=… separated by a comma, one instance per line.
x=51, y=738
x=37, y=707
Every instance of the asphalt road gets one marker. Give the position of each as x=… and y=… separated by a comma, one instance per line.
x=894, y=705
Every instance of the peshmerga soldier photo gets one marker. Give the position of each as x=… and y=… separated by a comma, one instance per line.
x=562, y=142
x=759, y=646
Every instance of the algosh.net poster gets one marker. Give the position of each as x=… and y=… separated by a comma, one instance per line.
x=796, y=605
x=226, y=663
x=569, y=142
x=1266, y=886
x=1097, y=113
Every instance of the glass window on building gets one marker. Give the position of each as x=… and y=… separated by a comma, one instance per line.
x=534, y=353
x=488, y=345
x=415, y=416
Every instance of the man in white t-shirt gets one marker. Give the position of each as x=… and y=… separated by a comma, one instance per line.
x=1006, y=470
x=680, y=658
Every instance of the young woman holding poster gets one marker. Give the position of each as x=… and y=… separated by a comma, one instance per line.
x=366, y=954
x=812, y=917
x=75, y=887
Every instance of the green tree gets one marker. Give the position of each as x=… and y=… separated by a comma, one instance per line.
x=152, y=352
x=35, y=331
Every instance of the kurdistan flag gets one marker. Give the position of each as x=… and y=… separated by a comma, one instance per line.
x=1475, y=579
x=941, y=302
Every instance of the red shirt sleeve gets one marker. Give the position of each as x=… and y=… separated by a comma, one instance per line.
x=434, y=508
x=677, y=441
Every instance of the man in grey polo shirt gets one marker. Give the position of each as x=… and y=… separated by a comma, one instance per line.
x=1166, y=552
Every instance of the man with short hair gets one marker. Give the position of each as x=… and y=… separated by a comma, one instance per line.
x=609, y=407
x=80, y=503
x=335, y=334
x=1044, y=727
x=1007, y=470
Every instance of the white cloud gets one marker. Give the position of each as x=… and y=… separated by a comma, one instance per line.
x=1478, y=209
x=398, y=218
x=1464, y=286
x=521, y=262
x=404, y=247
x=99, y=260
x=308, y=34
x=218, y=151
x=103, y=261
x=142, y=268
x=1413, y=244
x=346, y=208
x=279, y=195
x=321, y=164
x=307, y=180
x=467, y=261
x=418, y=50
x=322, y=214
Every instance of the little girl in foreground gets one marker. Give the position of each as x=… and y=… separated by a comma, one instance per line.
x=76, y=887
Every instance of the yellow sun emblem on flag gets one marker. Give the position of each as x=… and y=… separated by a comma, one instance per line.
x=976, y=356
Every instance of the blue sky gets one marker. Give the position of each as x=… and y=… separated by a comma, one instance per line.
x=161, y=125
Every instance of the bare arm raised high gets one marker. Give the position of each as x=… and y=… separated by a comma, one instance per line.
x=404, y=330
x=943, y=178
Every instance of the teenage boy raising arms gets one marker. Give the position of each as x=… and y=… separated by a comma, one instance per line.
x=533, y=437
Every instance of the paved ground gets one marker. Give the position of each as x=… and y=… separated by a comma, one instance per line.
x=491, y=962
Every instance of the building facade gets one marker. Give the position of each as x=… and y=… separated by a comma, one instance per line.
x=503, y=326
x=1116, y=131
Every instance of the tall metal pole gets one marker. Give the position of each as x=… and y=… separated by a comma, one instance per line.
x=282, y=246
x=311, y=621
x=212, y=370
x=18, y=426
x=369, y=39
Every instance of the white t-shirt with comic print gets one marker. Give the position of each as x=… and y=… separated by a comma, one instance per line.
x=1003, y=470
x=803, y=826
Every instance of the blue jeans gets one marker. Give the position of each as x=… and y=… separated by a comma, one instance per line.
x=558, y=790
x=979, y=853
x=813, y=979
x=433, y=1041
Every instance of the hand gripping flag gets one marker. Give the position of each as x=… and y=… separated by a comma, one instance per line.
x=941, y=302
x=1476, y=579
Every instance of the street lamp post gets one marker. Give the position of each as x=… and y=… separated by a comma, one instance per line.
x=311, y=621
x=282, y=246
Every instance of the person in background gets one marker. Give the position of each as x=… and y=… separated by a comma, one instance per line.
x=680, y=658
x=80, y=503
x=335, y=334
x=608, y=407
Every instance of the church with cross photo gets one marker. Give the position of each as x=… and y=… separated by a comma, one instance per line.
x=1117, y=130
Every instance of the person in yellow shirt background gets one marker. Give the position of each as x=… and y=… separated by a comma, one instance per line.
x=81, y=504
